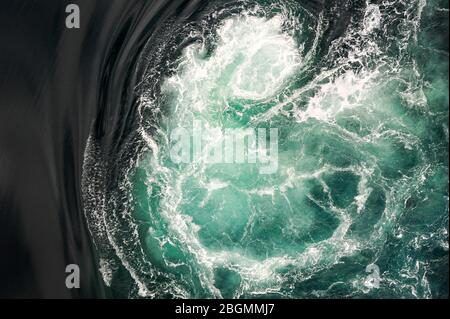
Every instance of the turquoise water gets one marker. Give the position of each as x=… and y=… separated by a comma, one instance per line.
x=361, y=174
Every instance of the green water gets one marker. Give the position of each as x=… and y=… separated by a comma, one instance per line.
x=361, y=170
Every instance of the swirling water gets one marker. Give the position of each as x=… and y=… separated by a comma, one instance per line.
x=359, y=95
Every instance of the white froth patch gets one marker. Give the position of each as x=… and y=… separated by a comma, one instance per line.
x=268, y=56
x=372, y=18
x=347, y=91
x=252, y=60
x=106, y=271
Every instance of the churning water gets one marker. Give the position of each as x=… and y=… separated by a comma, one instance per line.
x=359, y=94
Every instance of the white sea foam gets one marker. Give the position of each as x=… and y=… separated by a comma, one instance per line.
x=253, y=59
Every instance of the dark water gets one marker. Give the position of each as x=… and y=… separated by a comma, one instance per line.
x=54, y=84
x=363, y=168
